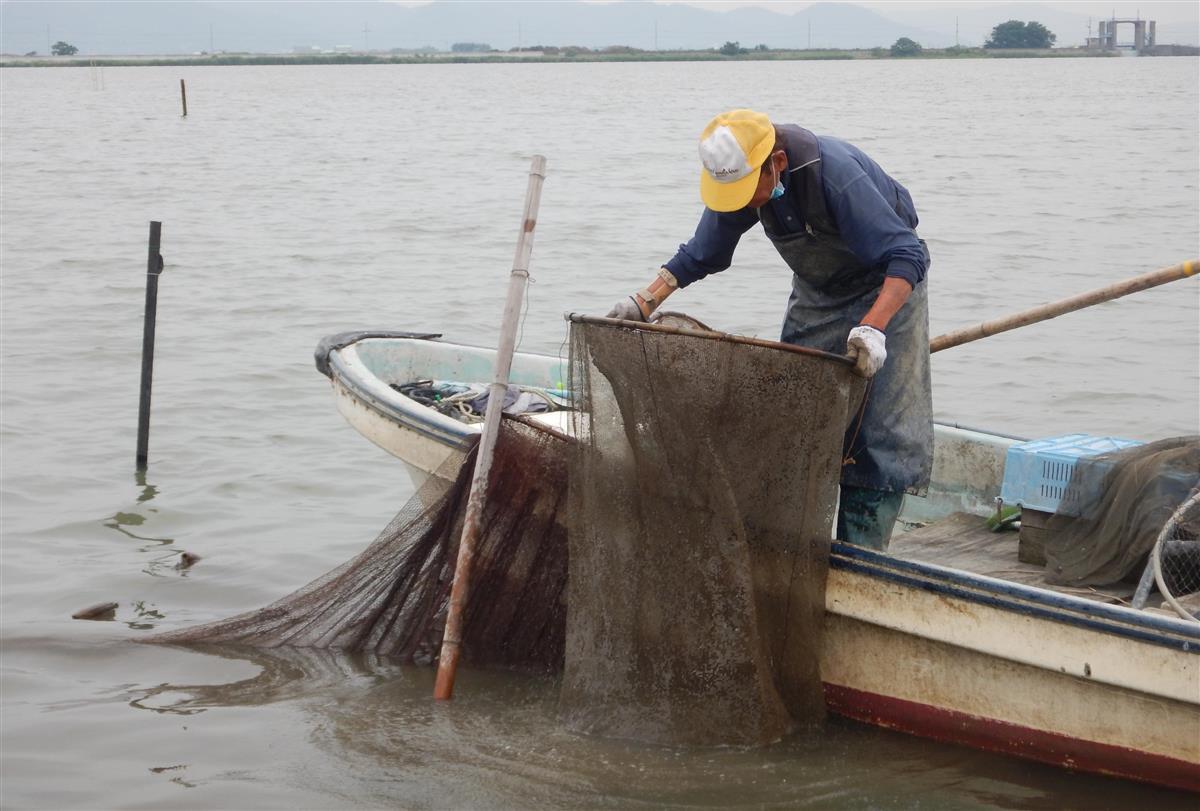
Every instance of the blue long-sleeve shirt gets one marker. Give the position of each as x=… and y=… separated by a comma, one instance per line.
x=861, y=198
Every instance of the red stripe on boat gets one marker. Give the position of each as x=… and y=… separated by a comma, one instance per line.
x=1011, y=739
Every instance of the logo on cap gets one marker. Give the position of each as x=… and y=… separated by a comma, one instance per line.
x=723, y=157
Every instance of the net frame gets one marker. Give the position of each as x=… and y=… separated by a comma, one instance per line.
x=1188, y=573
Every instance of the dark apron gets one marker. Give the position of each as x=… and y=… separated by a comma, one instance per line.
x=889, y=444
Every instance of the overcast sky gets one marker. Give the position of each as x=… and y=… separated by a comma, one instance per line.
x=1178, y=20
x=1174, y=11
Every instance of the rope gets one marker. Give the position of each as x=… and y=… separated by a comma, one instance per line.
x=862, y=411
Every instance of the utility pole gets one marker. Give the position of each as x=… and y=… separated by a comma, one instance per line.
x=956, y=32
x=810, y=35
x=210, y=38
x=366, y=30
x=656, y=35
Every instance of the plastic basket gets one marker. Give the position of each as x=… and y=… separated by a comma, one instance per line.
x=1036, y=473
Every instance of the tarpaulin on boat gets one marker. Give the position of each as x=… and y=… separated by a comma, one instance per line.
x=702, y=496
x=1114, y=509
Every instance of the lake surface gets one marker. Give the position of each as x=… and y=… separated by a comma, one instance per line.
x=301, y=201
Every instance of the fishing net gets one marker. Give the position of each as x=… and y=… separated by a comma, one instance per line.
x=1175, y=559
x=391, y=599
x=702, y=495
x=1115, y=509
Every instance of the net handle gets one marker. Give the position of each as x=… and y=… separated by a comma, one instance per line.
x=1068, y=305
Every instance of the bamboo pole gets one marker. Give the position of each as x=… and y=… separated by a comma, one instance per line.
x=443, y=688
x=1067, y=305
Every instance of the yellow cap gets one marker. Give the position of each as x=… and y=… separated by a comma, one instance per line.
x=733, y=147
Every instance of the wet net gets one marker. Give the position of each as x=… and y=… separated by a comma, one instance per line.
x=702, y=495
x=699, y=494
x=391, y=599
x=1116, y=508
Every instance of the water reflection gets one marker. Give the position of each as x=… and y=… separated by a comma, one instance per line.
x=120, y=520
x=149, y=491
x=146, y=616
x=177, y=779
x=284, y=674
x=499, y=744
x=163, y=562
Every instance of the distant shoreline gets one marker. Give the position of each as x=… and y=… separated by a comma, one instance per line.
x=496, y=57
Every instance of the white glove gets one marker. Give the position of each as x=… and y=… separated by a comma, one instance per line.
x=627, y=309
x=866, y=346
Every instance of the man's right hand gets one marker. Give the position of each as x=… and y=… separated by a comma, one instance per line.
x=627, y=309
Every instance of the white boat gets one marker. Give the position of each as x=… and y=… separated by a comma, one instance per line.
x=946, y=636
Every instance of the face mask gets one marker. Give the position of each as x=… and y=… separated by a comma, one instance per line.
x=777, y=192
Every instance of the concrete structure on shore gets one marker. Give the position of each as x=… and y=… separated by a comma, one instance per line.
x=1106, y=39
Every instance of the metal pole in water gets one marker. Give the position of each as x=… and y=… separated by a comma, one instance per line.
x=183, y=96
x=154, y=266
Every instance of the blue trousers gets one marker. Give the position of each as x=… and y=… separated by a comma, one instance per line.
x=866, y=517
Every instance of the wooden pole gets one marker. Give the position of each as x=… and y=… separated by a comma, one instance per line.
x=154, y=266
x=183, y=96
x=460, y=590
x=1067, y=305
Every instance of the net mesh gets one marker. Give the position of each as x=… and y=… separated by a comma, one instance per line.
x=1114, y=510
x=1176, y=559
x=391, y=599
x=699, y=495
x=702, y=496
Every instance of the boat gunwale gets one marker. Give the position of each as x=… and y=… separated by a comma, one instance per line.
x=416, y=417
x=1046, y=603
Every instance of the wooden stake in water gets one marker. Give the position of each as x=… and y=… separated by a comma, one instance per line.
x=460, y=590
x=183, y=96
x=154, y=266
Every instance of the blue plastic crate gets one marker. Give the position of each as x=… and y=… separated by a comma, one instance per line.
x=1036, y=473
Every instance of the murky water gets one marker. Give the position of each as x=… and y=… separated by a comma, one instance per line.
x=301, y=201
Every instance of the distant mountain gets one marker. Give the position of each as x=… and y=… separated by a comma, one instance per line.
x=116, y=27
x=187, y=27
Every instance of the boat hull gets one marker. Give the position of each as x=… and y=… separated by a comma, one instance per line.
x=1021, y=674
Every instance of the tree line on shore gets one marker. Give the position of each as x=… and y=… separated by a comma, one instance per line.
x=1012, y=34
x=1006, y=35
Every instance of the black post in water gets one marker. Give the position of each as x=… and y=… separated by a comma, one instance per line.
x=154, y=266
x=183, y=96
